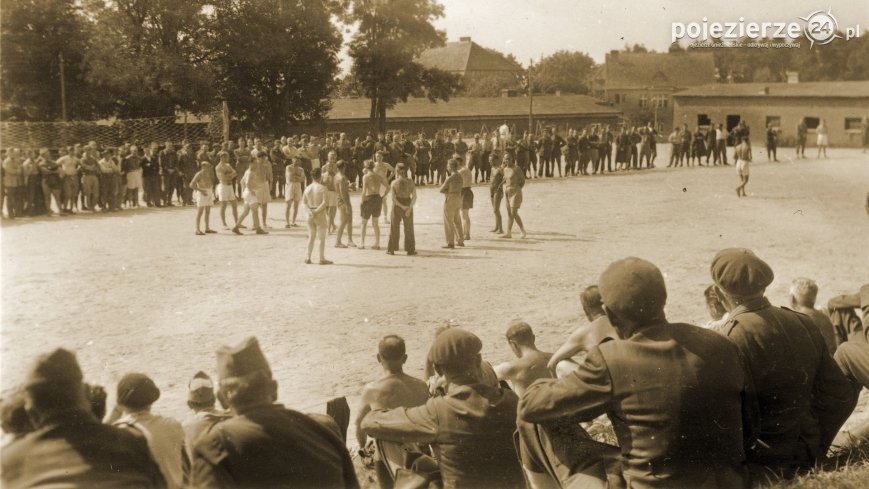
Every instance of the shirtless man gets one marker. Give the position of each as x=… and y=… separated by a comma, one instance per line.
x=342, y=188
x=294, y=174
x=203, y=195
x=251, y=182
x=467, y=195
x=514, y=180
x=530, y=363
x=314, y=200
x=372, y=183
x=383, y=169
x=584, y=337
x=742, y=155
x=395, y=389
x=329, y=182
x=263, y=191
x=225, y=188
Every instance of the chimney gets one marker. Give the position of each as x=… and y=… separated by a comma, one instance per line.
x=793, y=76
x=465, y=39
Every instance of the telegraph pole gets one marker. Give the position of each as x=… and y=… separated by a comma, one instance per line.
x=62, y=88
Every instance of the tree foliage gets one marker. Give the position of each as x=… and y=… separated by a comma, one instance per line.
x=565, y=71
x=390, y=37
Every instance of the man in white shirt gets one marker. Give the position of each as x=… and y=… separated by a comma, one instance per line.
x=314, y=200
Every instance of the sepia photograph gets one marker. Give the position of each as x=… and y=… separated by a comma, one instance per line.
x=434, y=244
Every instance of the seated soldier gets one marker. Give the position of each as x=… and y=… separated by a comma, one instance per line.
x=437, y=382
x=470, y=427
x=265, y=444
x=716, y=310
x=801, y=395
x=201, y=401
x=68, y=446
x=853, y=358
x=530, y=363
x=674, y=393
x=584, y=337
x=804, y=292
x=394, y=390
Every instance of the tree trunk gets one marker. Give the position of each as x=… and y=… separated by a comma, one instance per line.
x=381, y=122
x=372, y=116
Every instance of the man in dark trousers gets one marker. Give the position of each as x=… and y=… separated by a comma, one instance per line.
x=674, y=393
x=265, y=444
x=801, y=394
x=403, y=199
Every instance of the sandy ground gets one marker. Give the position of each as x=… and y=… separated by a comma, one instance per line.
x=137, y=291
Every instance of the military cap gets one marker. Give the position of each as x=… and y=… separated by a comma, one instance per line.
x=200, y=389
x=137, y=390
x=57, y=367
x=738, y=271
x=242, y=359
x=634, y=287
x=455, y=347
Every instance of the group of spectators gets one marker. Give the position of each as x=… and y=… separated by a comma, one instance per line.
x=758, y=394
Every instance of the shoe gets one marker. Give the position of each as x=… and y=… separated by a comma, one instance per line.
x=390, y=253
x=493, y=230
x=200, y=233
x=461, y=244
x=468, y=237
x=241, y=226
x=307, y=261
x=287, y=226
x=261, y=231
x=411, y=253
x=210, y=231
x=339, y=245
x=236, y=231
x=449, y=247
x=376, y=248
x=325, y=262
x=506, y=236
x=351, y=244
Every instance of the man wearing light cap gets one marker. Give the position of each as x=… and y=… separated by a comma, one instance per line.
x=69, y=446
x=673, y=392
x=802, y=396
x=471, y=426
x=265, y=444
x=200, y=400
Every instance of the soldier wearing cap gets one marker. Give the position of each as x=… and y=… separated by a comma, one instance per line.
x=802, y=397
x=69, y=447
x=853, y=358
x=471, y=426
x=265, y=444
x=673, y=392
x=200, y=400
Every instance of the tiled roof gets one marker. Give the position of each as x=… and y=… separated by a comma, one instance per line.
x=659, y=70
x=474, y=107
x=464, y=56
x=848, y=89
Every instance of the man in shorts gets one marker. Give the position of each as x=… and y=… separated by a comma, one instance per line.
x=467, y=195
x=342, y=188
x=295, y=177
x=742, y=155
x=452, y=190
x=314, y=200
x=514, y=180
x=329, y=182
x=403, y=199
x=383, y=169
x=371, y=206
x=251, y=182
x=225, y=189
x=203, y=195
x=263, y=191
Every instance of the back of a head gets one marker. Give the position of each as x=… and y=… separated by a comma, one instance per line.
x=590, y=298
x=804, y=291
x=245, y=374
x=391, y=348
x=137, y=391
x=633, y=288
x=54, y=384
x=455, y=350
x=520, y=333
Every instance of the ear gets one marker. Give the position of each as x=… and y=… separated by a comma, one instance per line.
x=403, y=359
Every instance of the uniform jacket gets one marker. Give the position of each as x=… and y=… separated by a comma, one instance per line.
x=675, y=394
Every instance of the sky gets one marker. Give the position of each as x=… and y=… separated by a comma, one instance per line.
x=531, y=29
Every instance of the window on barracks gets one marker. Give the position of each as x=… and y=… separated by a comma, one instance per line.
x=774, y=120
x=703, y=120
x=812, y=122
x=853, y=124
x=617, y=98
x=643, y=101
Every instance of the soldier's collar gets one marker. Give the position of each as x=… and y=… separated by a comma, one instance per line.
x=750, y=306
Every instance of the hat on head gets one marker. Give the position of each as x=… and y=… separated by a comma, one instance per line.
x=242, y=359
x=634, y=287
x=738, y=271
x=200, y=389
x=455, y=347
x=137, y=390
x=57, y=367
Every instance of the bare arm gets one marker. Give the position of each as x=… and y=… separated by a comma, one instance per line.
x=364, y=409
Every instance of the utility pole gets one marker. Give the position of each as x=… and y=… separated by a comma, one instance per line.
x=62, y=88
x=530, y=98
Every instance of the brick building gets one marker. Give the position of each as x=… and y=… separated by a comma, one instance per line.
x=474, y=63
x=642, y=85
x=841, y=104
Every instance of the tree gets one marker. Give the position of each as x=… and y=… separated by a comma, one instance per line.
x=36, y=35
x=390, y=37
x=275, y=60
x=566, y=71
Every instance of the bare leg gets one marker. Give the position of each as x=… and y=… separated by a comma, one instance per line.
x=519, y=222
x=199, y=213
x=466, y=223
x=312, y=235
x=363, y=230
x=376, y=223
x=287, y=214
x=208, y=219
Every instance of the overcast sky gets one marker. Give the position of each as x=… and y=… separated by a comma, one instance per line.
x=535, y=28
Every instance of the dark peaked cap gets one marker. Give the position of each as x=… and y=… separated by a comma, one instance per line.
x=57, y=367
x=455, y=347
x=738, y=271
x=242, y=359
x=136, y=390
x=633, y=287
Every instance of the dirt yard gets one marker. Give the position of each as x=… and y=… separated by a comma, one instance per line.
x=137, y=291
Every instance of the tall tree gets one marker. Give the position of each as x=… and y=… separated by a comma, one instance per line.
x=36, y=36
x=566, y=71
x=147, y=56
x=275, y=60
x=391, y=35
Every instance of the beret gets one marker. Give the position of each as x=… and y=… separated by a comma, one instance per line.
x=57, y=367
x=242, y=359
x=200, y=389
x=456, y=347
x=739, y=271
x=137, y=390
x=634, y=287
